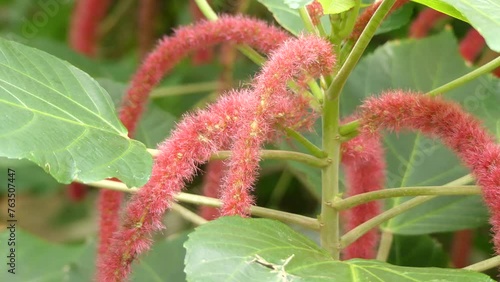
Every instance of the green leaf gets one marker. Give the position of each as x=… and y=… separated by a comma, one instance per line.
x=417, y=251
x=289, y=18
x=443, y=7
x=61, y=119
x=242, y=249
x=336, y=6
x=296, y=4
x=38, y=260
x=484, y=16
x=414, y=160
x=397, y=19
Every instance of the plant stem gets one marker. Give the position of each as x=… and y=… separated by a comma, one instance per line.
x=210, y=14
x=185, y=89
x=484, y=265
x=313, y=149
x=350, y=21
x=280, y=188
x=466, y=78
x=338, y=83
x=306, y=19
x=361, y=229
x=286, y=217
x=188, y=215
x=349, y=128
x=357, y=200
x=118, y=12
x=385, y=246
x=329, y=217
x=272, y=155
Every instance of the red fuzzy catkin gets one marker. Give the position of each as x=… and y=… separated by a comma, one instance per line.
x=194, y=140
x=292, y=60
x=364, y=165
x=171, y=50
x=83, y=31
x=471, y=45
x=367, y=14
x=315, y=11
x=458, y=130
x=424, y=22
x=76, y=191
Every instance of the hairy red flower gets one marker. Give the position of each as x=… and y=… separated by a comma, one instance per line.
x=364, y=164
x=424, y=22
x=471, y=45
x=315, y=12
x=367, y=14
x=191, y=144
x=76, y=191
x=457, y=129
x=292, y=60
x=83, y=32
x=203, y=55
x=171, y=50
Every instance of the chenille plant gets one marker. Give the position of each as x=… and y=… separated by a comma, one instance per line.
x=361, y=165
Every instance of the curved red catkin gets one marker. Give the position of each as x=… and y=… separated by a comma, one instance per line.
x=457, y=129
x=166, y=55
x=171, y=50
x=364, y=165
x=194, y=140
x=315, y=11
x=204, y=55
x=83, y=31
x=471, y=45
x=211, y=183
x=76, y=191
x=292, y=60
x=424, y=22
x=367, y=14
x=462, y=247
x=146, y=31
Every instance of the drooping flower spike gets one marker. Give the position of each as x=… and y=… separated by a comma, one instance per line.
x=458, y=130
x=292, y=60
x=212, y=181
x=424, y=22
x=367, y=14
x=148, y=13
x=84, y=33
x=364, y=165
x=166, y=55
x=171, y=50
x=471, y=45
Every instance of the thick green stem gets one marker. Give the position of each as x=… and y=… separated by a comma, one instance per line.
x=485, y=264
x=489, y=67
x=329, y=218
x=188, y=215
x=306, y=19
x=271, y=155
x=406, y=192
x=300, y=220
x=384, y=247
x=338, y=83
x=360, y=230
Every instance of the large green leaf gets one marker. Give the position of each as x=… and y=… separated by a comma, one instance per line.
x=420, y=251
x=414, y=160
x=60, y=118
x=39, y=260
x=336, y=6
x=443, y=7
x=238, y=249
x=484, y=16
x=289, y=18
